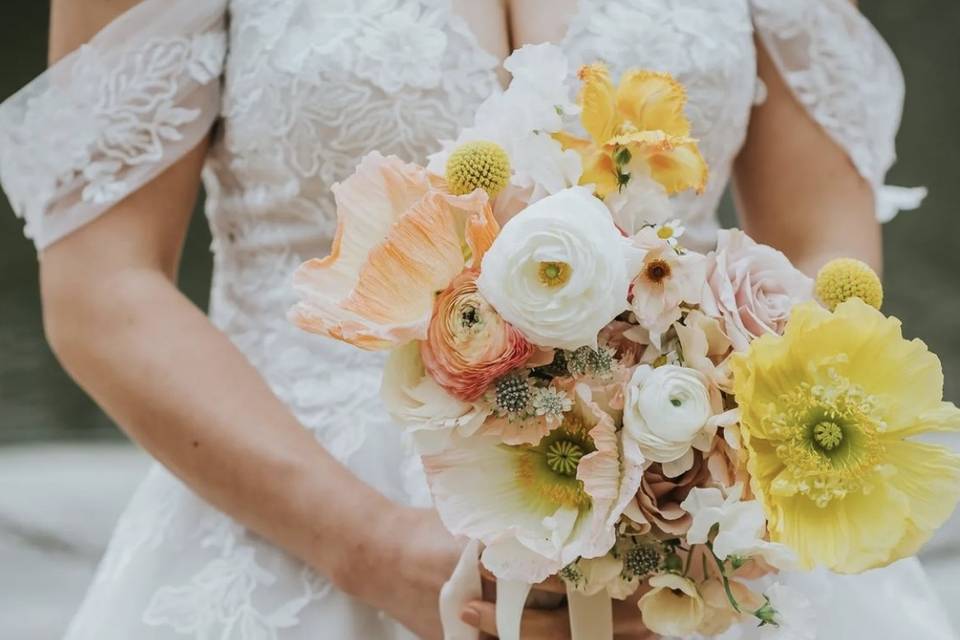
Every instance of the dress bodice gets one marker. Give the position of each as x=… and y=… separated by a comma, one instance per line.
x=310, y=87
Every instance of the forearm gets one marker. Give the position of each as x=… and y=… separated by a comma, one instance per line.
x=187, y=395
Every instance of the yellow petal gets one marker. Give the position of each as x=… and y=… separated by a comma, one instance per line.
x=653, y=101
x=675, y=162
x=598, y=111
x=849, y=535
x=929, y=476
x=597, y=163
x=599, y=170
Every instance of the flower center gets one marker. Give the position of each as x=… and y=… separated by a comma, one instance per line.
x=665, y=232
x=829, y=440
x=554, y=274
x=657, y=271
x=827, y=435
x=563, y=457
x=548, y=470
x=469, y=316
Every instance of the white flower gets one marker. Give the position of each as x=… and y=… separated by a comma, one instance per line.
x=421, y=406
x=740, y=526
x=538, y=508
x=670, y=231
x=521, y=119
x=668, y=412
x=794, y=615
x=642, y=202
x=666, y=279
x=403, y=48
x=558, y=271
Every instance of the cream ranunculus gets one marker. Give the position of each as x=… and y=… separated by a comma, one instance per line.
x=668, y=412
x=559, y=270
x=673, y=607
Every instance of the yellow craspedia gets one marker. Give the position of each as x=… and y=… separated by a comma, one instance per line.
x=829, y=413
x=844, y=278
x=478, y=165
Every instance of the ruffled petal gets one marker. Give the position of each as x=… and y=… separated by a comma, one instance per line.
x=597, y=102
x=653, y=101
x=398, y=242
x=673, y=161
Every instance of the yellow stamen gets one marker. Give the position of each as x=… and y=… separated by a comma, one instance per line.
x=554, y=274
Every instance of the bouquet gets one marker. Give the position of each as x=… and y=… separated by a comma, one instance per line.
x=596, y=401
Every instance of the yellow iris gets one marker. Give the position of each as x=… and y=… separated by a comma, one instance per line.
x=828, y=410
x=642, y=123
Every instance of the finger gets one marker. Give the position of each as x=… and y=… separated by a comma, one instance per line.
x=536, y=624
x=489, y=589
x=552, y=585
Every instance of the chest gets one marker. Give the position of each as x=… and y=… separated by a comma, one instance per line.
x=312, y=85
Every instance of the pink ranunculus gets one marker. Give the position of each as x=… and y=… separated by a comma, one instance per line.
x=752, y=288
x=666, y=279
x=468, y=345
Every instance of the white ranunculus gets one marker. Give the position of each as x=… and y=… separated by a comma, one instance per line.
x=668, y=412
x=559, y=270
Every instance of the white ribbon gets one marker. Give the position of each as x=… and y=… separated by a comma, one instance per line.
x=463, y=586
x=511, y=598
x=591, y=617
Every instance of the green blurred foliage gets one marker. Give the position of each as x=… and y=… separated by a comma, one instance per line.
x=39, y=401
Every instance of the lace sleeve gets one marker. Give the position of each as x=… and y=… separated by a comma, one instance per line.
x=843, y=72
x=112, y=115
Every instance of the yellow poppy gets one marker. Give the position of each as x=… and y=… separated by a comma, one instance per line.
x=828, y=410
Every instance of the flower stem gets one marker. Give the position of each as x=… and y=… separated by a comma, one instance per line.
x=726, y=581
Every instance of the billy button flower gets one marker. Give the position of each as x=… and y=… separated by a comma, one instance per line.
x=845, y=278
x=478, y=165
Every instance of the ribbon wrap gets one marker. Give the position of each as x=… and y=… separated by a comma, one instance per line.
x=591, y=616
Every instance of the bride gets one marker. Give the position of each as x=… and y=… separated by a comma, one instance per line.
x=285, y=506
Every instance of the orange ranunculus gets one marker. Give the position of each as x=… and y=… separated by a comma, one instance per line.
x=638, y=125
x=400, y=239
x=468, y=344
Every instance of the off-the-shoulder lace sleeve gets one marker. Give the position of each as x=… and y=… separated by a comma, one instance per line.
x=112, y=115
x=843, y=72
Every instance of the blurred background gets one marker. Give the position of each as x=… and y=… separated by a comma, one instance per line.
x=66, y=471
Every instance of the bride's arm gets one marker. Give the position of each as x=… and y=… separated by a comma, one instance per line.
x=178, y=386
x=797, y=189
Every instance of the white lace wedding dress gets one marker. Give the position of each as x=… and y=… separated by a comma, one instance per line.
x=302, y=89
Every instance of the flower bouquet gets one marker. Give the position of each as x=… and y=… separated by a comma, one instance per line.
x=593, y=400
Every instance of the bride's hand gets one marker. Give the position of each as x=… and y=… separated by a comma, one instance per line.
x=554, y=623
x=415, y=556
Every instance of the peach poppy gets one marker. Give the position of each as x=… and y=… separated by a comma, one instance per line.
x=400, y=239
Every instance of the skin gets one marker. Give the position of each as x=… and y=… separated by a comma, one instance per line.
x=179, y=387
